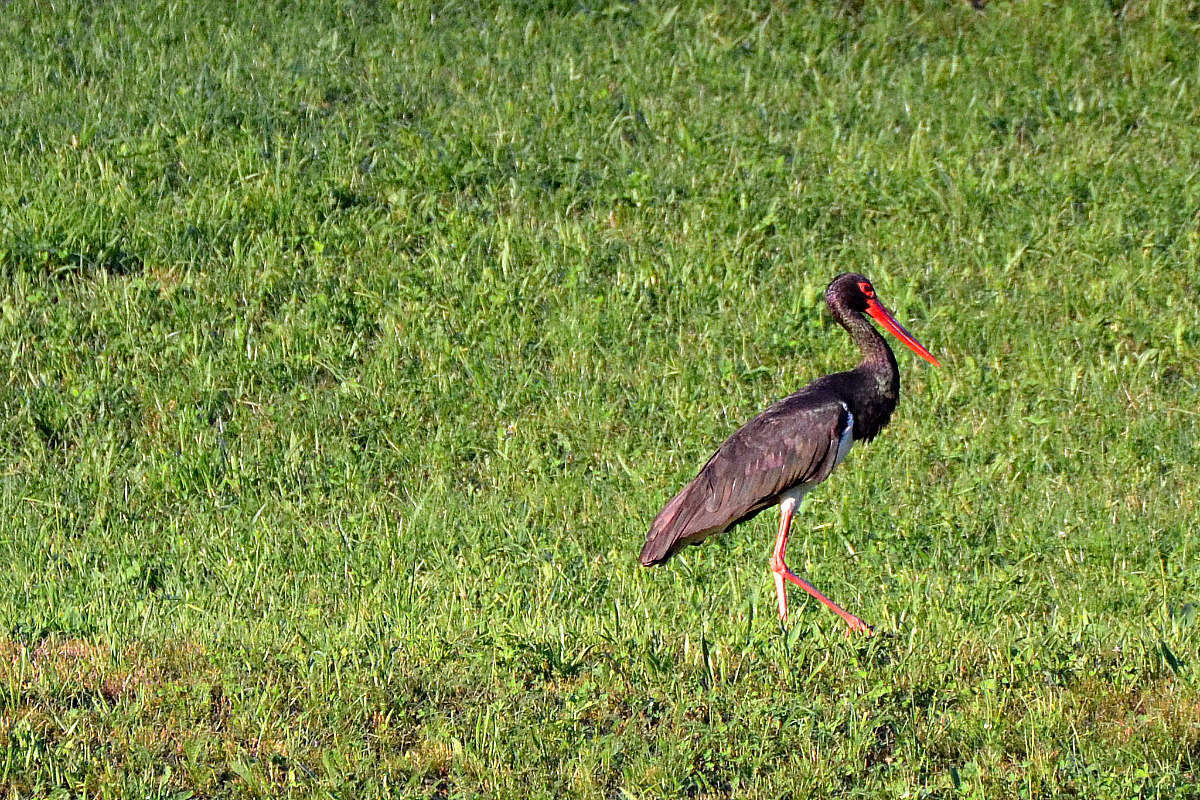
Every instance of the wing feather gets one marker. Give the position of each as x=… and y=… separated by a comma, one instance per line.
x=794, y=442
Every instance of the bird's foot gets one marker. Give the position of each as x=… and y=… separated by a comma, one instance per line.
x=856, y=625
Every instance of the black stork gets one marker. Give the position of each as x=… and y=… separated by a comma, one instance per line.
x=775, y=458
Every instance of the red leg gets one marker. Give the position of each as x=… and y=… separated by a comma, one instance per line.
x=781, y=573
x=778, y=568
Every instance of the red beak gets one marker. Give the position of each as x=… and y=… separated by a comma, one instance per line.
x=885, y=318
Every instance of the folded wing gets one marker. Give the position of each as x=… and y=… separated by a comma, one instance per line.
x=794, y=442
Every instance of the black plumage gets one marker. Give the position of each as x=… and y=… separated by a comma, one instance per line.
x=795, y=441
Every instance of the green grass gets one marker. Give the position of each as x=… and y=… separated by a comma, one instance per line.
x=350, y=350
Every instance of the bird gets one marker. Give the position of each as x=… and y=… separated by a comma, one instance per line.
x=795, y=444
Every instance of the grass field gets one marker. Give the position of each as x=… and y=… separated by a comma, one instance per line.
x=349, y=351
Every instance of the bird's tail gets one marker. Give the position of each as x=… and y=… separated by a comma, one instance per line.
x=669, y=531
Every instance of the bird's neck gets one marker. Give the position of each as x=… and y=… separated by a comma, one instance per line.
x=875, y=381
x=876, y=355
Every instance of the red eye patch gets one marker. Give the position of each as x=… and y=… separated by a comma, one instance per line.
x=866, y=288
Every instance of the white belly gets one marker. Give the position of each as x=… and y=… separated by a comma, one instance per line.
x=847, y=440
